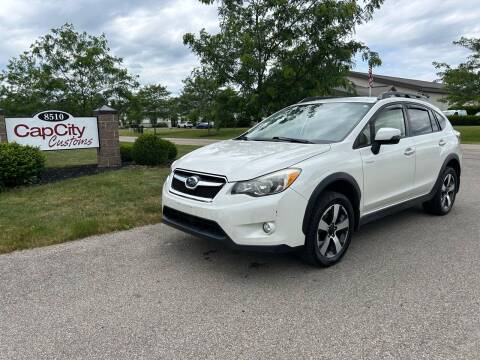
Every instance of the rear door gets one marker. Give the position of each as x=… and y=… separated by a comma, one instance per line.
x=389, y=175
x=427, y=137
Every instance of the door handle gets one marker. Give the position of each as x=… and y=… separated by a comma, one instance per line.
x=442, y=142
x=409, y=151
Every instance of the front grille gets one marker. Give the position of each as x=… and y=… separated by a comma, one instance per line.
x=208, y=186
x=192, y=224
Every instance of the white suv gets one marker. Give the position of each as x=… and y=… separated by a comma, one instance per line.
x=311, y=174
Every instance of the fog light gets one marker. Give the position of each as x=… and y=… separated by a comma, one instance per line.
x=269, y=227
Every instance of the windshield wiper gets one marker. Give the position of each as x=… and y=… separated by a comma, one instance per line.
x=242, y=137
x=293, y=140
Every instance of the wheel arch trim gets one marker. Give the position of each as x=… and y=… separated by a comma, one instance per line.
x=448, y=159
x=321, y=187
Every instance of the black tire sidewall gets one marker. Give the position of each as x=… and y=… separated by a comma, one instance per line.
x=311, y=248
x=437, y=200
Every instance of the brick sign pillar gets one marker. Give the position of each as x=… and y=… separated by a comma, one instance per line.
x=108, y=155
x=3, y=129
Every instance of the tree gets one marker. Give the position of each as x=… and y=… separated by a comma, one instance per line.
x=154, y=102
x=174, y=107
x=202, y=99
x=227, y=108
x=463, y=82
x=279, y=51
x=65, y=69
x=197, y=100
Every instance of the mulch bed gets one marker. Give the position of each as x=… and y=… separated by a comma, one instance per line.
x=58, y=174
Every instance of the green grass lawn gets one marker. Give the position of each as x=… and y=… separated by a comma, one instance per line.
x=470, y=134
x=63, y=158
x=222, y=134
x=75, y=208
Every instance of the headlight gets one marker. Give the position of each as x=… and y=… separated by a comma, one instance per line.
x=270, y=184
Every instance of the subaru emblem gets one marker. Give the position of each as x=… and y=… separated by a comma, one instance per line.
x=192, y=182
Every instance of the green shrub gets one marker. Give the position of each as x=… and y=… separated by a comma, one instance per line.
x=126, y=152
x=149, y=149
x=172, y=150
x=464, y=120
x=20, y=165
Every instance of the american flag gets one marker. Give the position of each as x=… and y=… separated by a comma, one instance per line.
x=370, y=76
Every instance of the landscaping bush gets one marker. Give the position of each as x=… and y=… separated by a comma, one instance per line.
x=172, y=150
x=20, y=165
x=126, y=152
x=149, y=149
x=464, y=120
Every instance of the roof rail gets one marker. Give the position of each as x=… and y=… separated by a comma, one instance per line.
x=390, y=94
x=315, y=98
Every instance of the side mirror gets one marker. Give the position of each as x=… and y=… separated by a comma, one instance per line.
x=385, y=136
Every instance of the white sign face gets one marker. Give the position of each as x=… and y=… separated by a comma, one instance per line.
x=54, y=130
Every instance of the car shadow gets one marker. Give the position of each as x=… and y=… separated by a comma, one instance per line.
x=212, y=256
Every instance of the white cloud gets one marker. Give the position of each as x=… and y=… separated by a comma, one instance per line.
x=410, y=35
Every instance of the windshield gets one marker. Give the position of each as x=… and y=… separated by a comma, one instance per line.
x=316, y=123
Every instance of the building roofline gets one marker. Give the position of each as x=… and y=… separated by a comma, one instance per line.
x=418, y=85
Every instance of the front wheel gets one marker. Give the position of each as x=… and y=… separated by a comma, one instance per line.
x=330, y=230
x=444, y=198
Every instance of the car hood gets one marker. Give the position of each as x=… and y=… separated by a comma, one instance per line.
x=243, y=160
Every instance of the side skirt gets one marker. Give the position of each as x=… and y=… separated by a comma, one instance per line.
x=393, y=209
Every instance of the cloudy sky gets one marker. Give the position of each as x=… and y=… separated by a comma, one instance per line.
x=409, y=35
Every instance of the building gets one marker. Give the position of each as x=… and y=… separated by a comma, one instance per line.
x=146, y=122
x=434, y=91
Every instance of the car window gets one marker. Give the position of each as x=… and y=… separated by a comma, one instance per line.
x=365, y=137
x=318, y=123
x=419, y=121
x=441, y=120
x=435, y=126
x=390, y=118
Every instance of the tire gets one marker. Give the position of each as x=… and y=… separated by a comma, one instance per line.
x=444, y=198
x=327, y=237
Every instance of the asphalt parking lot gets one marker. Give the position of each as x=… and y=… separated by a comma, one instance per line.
x=408, y=288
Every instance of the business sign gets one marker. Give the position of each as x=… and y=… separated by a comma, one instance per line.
x=54, y=130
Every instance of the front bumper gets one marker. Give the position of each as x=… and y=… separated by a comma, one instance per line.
x=238, y=219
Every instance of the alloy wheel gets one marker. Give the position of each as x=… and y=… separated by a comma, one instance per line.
x=448, y=192
x=333, y=230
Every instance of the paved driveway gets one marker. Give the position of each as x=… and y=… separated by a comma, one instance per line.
x=409, y=288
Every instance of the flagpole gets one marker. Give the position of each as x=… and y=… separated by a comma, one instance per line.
x=370, y=80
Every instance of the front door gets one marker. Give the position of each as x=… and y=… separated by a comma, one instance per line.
x=389, y=175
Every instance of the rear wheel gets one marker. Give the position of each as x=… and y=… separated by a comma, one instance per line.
x=444, y=198
x=330, y=230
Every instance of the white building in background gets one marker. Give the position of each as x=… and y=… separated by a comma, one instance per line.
x=434, y=91
x=147, y=123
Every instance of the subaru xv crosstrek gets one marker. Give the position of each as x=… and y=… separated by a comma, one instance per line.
x=311, y=174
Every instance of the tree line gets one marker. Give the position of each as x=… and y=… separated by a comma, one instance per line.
x=268, y=54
